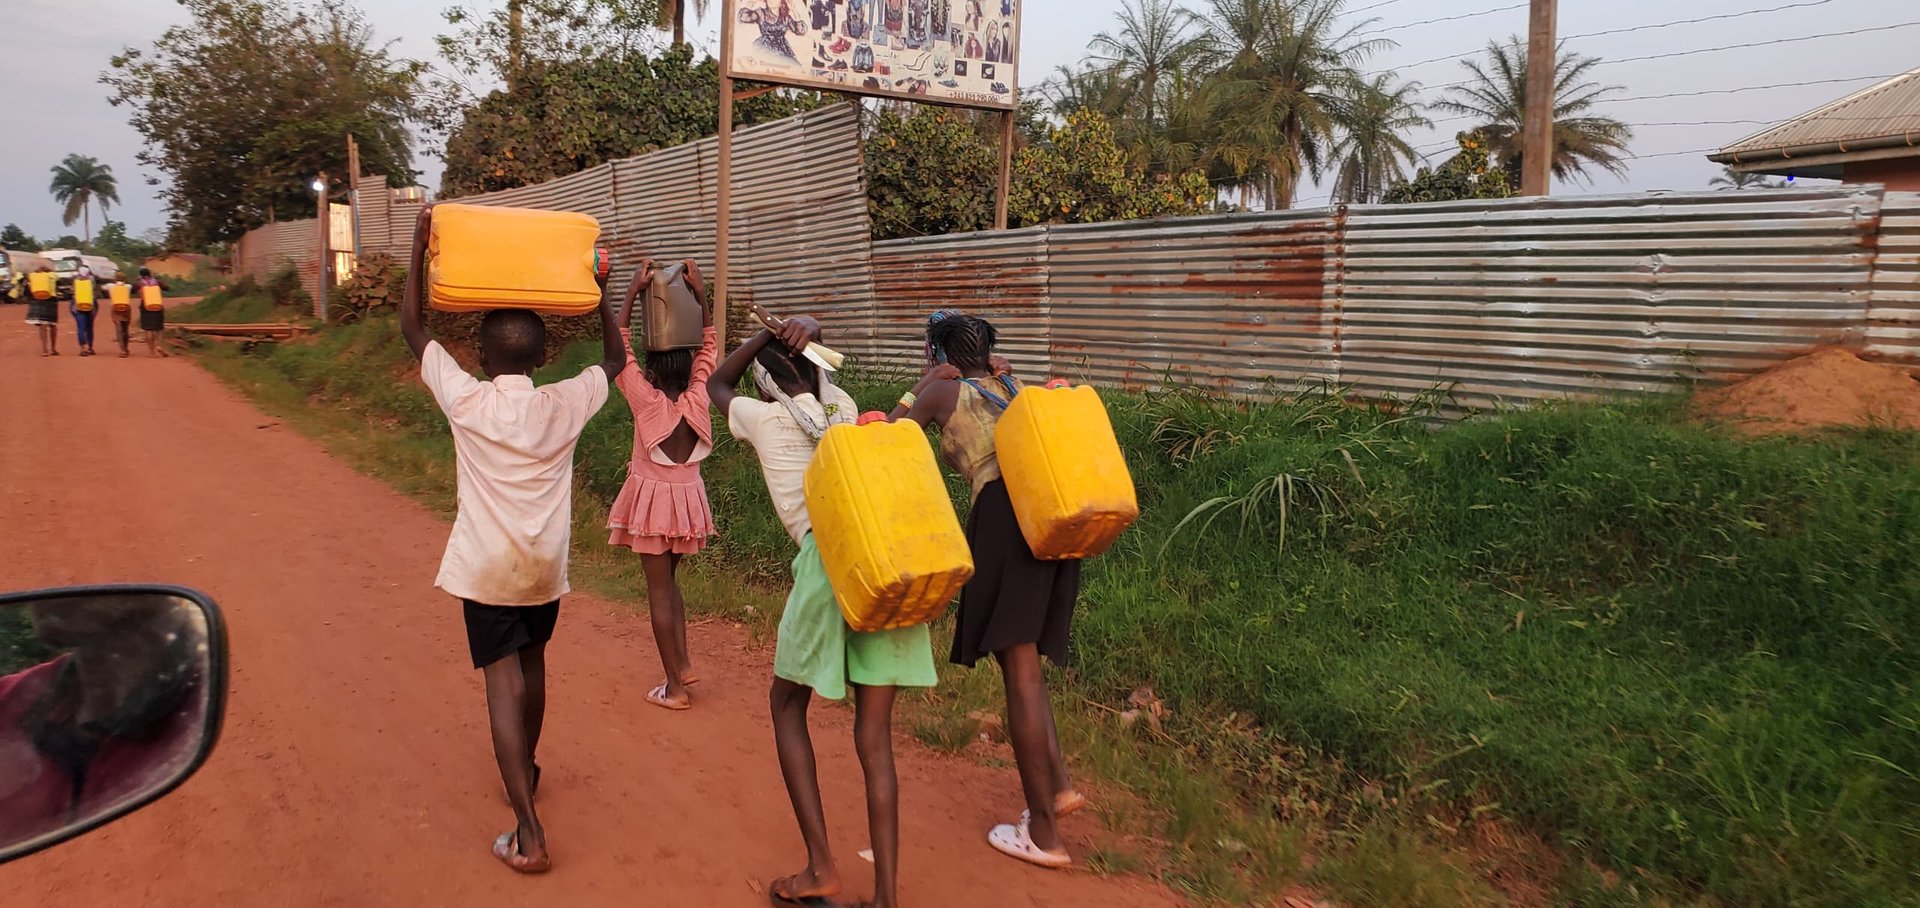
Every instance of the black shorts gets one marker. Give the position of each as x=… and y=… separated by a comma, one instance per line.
x=495, y=632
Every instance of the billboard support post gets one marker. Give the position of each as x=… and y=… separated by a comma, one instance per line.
x=723, y=200
x=1006, y=171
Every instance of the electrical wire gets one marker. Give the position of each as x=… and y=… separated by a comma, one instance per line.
x=1738, y=15
x=1363, y=9
x=1793, y=40
x=1484, y=12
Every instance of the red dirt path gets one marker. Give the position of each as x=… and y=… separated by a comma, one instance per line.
x=355, y=769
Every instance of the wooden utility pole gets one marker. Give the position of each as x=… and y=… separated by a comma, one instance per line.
x=1006, y=171
x=353, y=189
x=1536, y=172
x=326, y=227
x=723, y=202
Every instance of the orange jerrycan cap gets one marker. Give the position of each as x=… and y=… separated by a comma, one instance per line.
x=872, y=416
x=602, y=262
x=1058, y=383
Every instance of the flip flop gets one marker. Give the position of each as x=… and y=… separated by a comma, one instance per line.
x=1017, y=842
x=804, y=901
x=507, y=849
x=658, y=697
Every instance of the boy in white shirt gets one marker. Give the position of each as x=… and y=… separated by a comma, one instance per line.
x=507, y=557
x=816, y=651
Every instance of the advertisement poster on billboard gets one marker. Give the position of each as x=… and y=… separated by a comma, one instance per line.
x=960, y=52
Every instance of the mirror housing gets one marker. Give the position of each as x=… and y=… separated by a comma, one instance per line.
x=110, y=697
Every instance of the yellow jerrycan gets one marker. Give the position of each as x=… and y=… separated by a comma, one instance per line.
x=82, y=295
x=480, y=257
x=150, y=298
x=121, y=295
x=1071, y=490
x=887, y=532
x=40, y=284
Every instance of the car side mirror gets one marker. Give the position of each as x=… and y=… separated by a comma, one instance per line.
x=110, y=697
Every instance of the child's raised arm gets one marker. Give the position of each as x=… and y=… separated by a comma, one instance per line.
x=613, y=345
x=641, y=277
x=413, y=325
x=795, y=333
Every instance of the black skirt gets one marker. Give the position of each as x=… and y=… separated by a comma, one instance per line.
x=1013, y=598
x=153, y=319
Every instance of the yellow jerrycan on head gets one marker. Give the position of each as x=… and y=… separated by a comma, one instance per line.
x=82, y=294
x=480, y=257
x=886, y=529
x=121, y=295
x=1071, y=490
x=40, y=284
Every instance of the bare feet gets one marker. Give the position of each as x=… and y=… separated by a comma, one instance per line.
x=807, y=884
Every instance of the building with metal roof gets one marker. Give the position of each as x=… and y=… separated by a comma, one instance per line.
x=1870, y=136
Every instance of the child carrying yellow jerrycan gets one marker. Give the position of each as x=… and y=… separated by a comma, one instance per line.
x=1069, y=483
x=887, y=532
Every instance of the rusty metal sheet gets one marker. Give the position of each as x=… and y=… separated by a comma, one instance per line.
x=1236, y=303
x=999, y=276
x=1893, y=320
x=270, y=247
x=1525, y=300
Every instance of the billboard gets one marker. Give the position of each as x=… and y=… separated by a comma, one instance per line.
x=961, y=52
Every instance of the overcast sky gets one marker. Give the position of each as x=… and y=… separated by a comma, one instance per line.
x=51, y=72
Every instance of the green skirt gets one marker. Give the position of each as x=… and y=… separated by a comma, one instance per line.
x=818, y=650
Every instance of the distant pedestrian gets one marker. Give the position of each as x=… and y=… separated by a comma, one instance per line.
x=153, y=311
x=81, y=303
x=43, y=310
x=122, y=312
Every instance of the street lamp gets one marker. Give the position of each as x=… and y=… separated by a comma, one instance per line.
x=319, y=187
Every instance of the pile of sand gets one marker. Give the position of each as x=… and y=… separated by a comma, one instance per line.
x=1828, y=388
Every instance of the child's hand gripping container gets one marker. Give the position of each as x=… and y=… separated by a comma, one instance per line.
x=121, y=296
x=1064, y=471
x=480, y=257
x=82, y=295
x=887, y=533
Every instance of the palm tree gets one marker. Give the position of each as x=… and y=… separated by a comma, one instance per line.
x=1372, y=152
x=673, y=14
x=1155, y=38
x=1285, y=70
x=80, y=180
x=1496, y=97
x=1737, y=179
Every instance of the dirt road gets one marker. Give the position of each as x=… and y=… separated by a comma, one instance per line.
x=355, y=769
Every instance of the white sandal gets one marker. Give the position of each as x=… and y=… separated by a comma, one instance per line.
x=1016, y=841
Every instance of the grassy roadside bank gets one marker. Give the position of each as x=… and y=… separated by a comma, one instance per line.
x=1595, y=655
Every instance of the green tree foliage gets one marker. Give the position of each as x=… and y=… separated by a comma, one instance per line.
x=1372, y=153
x=1496, y=95
x=1470, y=174
x=12, y=237
x=931, y=171
x=563, y=117
x=80, y=181
x=242, y=107
x=114, y=242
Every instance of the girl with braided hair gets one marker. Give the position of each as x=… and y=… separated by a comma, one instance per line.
x=1016, y=608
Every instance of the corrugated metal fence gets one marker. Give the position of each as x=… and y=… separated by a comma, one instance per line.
x=1511, y=301
x=800, y=237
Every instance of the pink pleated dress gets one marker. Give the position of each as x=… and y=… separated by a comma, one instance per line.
x=663, y=506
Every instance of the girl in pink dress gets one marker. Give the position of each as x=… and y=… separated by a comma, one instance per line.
x=662, y=511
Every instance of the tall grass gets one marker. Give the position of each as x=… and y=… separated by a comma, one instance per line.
x=1687, y=661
